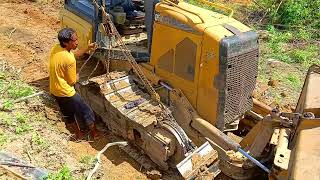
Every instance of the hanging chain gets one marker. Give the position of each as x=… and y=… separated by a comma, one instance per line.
x=85, y=62
x=111, y=31
x=109, y=56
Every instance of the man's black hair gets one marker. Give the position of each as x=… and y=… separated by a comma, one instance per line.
x=65, y=35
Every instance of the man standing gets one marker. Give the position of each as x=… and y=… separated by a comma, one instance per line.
x=62, y=72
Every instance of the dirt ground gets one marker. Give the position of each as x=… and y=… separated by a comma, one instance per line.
x=28, y=29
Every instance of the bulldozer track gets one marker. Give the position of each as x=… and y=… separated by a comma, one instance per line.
x=143, y=160
x=164, y=116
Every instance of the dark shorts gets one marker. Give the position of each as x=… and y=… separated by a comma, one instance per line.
x=74, y=106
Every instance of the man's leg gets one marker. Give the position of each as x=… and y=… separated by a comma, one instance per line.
x=85, y=113
x=68, y=111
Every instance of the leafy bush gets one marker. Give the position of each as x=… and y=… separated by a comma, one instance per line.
x=291, y=47
x=11, y=87
x=299, y=13
x=293, y=14
x=63, y=174
x=304, y=55
x=3, y=139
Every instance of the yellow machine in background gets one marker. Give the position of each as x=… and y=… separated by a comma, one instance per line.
x=191, y=59
x=203, y=66
x=83, y=28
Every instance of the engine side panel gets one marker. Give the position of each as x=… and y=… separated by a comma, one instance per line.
x=176, y=56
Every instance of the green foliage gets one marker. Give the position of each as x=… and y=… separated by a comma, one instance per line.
x=18, y=89
x=294, y=81
x=3, y=139
x=19, y=121
x=23, y=128
x=63, y=174
x=11, y=87
x=87, y=160
x=21, y=117
x=291, y=47
x=299, y=12
x=292, y=13
x=277, y=36
x=23, y=124
x=39, y=141
x=276, y=44
x=8, y=104
x=303, y=35
x=306, y=56
x=6, y=119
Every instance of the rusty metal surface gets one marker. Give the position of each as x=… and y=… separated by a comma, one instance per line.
x=309, y=100
x=304, y=163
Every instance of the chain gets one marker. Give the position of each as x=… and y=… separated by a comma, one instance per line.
x=111, y=31
x=94, y=69
x=109, y=56
x=85, y=62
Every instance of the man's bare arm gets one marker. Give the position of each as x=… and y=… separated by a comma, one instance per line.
x=80, y=52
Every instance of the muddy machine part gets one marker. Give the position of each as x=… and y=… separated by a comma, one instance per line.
x=292, y=138
x=130, y=112
x=297, y=155
x=129, y=105
x=209, y=57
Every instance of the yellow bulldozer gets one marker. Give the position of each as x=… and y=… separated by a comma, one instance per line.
x=184, y=100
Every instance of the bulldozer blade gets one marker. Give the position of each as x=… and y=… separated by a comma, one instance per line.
x=202, y=162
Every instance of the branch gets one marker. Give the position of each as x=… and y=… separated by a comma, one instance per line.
x=2, y=108
x=28, y=97
x=13, y=30
x=263, y=8
x=96, y=166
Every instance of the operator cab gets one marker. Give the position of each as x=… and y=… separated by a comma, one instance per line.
x=129, y=17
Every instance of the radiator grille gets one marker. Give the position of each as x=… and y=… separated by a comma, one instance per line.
x=240, y=83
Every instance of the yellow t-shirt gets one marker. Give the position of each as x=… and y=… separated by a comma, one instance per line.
x=62, y=72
